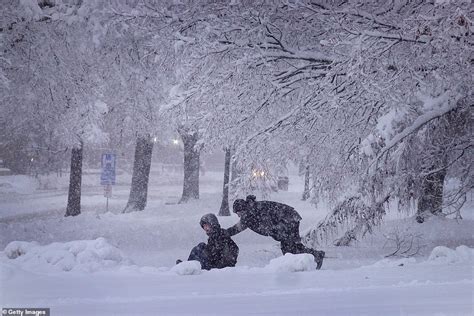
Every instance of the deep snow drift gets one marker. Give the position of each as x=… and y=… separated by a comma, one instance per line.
x=107, y=263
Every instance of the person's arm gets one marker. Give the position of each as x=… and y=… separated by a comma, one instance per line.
x=237, y=228
x=227, y=251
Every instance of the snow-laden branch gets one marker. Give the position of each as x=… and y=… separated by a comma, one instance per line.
x=398, y=37
x=321, y=8
x=452, y=162
x=273, y=126
x=315, y=57
x=441, y=105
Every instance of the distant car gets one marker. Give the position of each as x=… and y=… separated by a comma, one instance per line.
x=261, y=177
x=283, y=183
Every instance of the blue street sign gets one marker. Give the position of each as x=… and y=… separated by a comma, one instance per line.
x=107, y=177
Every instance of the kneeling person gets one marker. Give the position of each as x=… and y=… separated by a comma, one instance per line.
x=220, y=251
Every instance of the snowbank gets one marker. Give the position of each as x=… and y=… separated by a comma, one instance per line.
x=291, y=263
x=80, y=255
x=187, y=268
x=439, y=255
x=445, y=255
x=286, y=263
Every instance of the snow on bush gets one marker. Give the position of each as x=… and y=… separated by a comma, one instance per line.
x=16, y=249
x=291, y=263
x=187, y=268
x=79, y=255
x=446, y=255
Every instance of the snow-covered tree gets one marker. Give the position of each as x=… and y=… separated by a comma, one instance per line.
x=137, y=55
x=371, y=96
x=354, y=84
x=52, y=94
x=388, y=74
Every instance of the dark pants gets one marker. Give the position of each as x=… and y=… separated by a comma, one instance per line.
x=199, y=253
x=292, y=242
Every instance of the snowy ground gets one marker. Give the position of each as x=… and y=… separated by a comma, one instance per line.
x=107, y=263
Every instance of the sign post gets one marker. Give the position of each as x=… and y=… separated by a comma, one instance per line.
x=107, y=176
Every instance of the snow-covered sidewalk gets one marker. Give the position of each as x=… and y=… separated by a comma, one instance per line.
x=440, y=285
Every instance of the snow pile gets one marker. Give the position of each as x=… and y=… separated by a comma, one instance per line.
x=16, y=249
x=291, y=263
x=80, y=255
x=187, y=268
x=439, y=255
x=445, y=255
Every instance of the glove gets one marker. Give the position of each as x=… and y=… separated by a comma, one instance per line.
x=250, y=198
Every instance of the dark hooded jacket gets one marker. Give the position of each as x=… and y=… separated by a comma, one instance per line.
x=266, y=218
x=221, y=250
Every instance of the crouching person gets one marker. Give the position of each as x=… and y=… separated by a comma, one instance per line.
x=220, y=251
x=277, y=220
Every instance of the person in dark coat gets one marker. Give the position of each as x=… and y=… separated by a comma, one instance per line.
x=220, y=251
x=277, y=220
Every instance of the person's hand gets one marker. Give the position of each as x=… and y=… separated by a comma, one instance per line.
x=250, y=198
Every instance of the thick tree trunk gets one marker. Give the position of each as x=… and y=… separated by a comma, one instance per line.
x=306, y=184
x=431, y=196
x=224, y=210
x=191, y=167
x=75, y=180
x=141, y=173
x=434, y=167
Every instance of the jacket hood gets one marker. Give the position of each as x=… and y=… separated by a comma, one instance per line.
x=239, y=206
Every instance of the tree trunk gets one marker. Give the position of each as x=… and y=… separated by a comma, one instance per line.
x=75, y=179
x=430, y=201
x=306, y=184
x=434, y=167
x=224, y=210
x=191, y=167
x=141, y=173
